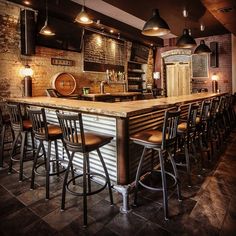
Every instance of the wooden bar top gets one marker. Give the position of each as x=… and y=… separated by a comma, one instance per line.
x=117, y=109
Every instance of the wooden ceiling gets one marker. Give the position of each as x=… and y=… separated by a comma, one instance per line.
x=200, y=12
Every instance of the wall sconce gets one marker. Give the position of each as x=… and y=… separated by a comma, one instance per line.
x=214, y=79
x=156, y=75
x=26, y=73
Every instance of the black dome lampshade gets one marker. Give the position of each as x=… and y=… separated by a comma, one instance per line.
x=202, y=48
x=186, y=40
x=46, y=29
x=155, y=26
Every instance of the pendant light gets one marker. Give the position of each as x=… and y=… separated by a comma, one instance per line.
x=83, y=17
x=46, y=30
x=155, y=26
x=202, y=48
x=186, y=40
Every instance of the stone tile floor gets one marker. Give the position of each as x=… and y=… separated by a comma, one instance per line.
x=208, y=207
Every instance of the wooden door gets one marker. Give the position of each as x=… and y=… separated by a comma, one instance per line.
x=172, y=80
x=178, y=79
x=183, y=79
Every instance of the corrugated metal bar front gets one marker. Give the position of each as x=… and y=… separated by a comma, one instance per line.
x=100, y=124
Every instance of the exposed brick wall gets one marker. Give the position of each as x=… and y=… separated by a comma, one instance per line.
x=224, y=71
x=11, y=61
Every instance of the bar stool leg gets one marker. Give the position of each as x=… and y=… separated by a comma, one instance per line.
x=22, y=154
x=138, y=176
x=2, y=145
x=186, y=152
x=85, y=189
x=107, y=176
x=34, y=165
x=13, y=152
x=70, y=157
x=48, y=169
x=88, y=171
x=164, y=185
x=57, y=156
x=176, y=175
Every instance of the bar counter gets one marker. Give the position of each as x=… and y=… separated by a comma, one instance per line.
x=117, y=109
x=120, y=120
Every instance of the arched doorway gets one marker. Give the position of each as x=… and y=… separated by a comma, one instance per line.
x=176, y=72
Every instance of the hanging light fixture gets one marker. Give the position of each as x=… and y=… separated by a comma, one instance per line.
x=83, y=17
x=202, y=48
x=186, y=40
x=46, y=30
x=155, y=26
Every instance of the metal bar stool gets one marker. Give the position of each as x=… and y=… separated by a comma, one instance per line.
x=187, y=138
x=21, y=127
x=49, y=133
x=161, y=141
x=213, y=131
x=76, y=140
x=4, y=124
x=202, y=127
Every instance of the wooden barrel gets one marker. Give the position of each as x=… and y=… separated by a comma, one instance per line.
x=64, y=83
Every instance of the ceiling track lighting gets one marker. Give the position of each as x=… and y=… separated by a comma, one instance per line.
x=155, y=26
x=46, y=30
x=83, y=17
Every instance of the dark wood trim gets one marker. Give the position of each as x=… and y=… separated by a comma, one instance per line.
x=122, y=151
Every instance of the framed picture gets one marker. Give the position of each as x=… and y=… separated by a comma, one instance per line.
x=200, y=66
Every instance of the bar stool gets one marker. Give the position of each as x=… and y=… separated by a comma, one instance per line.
x=76, y=140
x=202, y=128
x=4, y=124
x=213, y=131
x=187, y=138
x=21, y=127
x=44, y=132
x=161, y=141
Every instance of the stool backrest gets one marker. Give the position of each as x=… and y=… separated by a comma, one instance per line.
x=214, y=107
x=15, y=116
x=72, y=131
x=192, y=115
x=39, y=123
x=205, y=111
x=222, y=104
x=169, y=131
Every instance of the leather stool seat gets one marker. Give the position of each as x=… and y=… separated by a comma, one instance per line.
x=150, y=137
x=182, y=127
x=92, y=140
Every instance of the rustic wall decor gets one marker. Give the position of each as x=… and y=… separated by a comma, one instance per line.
x=199, y=66
x=61, y=62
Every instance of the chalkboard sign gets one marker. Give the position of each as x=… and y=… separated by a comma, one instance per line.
x=199, y=66
x=102, y=53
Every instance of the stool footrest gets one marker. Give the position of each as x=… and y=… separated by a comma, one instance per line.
x=88, y=193
x=51, y=173
x=160, y=189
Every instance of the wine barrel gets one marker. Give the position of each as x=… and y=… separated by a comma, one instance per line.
x=64, y=83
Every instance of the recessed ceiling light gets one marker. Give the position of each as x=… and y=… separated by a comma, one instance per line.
x=111, y=31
